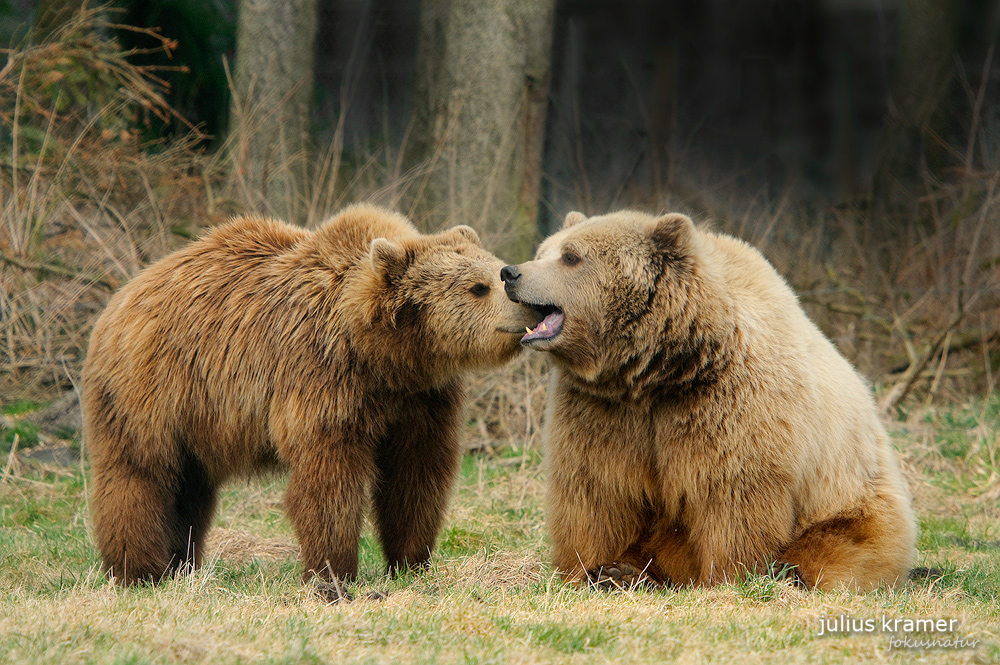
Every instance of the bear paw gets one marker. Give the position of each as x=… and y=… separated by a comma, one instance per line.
x=788, y=572
x=331, y=591
x=924, y=574
x=617, y=575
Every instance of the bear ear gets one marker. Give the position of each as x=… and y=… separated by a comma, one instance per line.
x=573, y=218
x=674, y=234
x=389, y=259
x=464, y=232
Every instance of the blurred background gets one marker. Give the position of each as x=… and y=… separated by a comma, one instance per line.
x=855, y=142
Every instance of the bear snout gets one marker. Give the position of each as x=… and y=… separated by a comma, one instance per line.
x=510, y=275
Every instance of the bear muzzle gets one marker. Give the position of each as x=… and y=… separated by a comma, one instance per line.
x=552, y=316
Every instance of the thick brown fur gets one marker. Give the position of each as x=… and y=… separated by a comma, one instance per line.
x=699, y=426
x=336, y=354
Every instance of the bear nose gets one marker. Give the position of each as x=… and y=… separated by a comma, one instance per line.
x=510, y=275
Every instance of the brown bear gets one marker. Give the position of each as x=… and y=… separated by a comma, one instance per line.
x=336, y=354
x=699, y=427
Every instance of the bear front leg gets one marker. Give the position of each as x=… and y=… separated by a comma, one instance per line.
x=325, y=501
x=593, y=528
x=416, y=465
x=599, y=495
x=736, y=532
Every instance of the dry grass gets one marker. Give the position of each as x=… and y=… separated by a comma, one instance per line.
x=188, y=624
x=490, y=595
x=85, y=203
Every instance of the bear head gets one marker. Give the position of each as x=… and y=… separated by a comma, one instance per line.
x=440, y=298
x=611, y=289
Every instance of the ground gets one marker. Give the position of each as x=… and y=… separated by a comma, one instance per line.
x=490, y=595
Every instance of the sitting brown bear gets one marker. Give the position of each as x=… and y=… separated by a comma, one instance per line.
x=698, y=425
x=337, y=354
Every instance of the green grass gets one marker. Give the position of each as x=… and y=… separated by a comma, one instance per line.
x=26, y=433
x=20, y=407
x=489, y=595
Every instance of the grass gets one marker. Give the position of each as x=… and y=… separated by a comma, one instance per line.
x=489, y=595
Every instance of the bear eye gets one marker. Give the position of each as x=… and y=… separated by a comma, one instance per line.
x=480, y=290
x=570, y=259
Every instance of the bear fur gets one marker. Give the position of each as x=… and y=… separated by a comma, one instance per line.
x=336, y=355
x=699, y=426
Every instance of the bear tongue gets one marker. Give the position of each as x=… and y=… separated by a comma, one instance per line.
x=548, y=328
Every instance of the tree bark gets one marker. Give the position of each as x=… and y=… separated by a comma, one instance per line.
x=480, y=97
x=270, y=114
x=921, y=76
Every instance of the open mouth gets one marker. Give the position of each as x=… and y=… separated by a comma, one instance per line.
x=551, y=324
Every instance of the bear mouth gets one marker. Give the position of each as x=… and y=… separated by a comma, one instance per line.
x=550, y=326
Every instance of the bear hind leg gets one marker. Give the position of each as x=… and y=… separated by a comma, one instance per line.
x=129, y=511
x=861, y=548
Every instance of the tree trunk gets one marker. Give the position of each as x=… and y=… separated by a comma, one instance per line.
x=480, y=97
x=270, y=113
x=921, y=76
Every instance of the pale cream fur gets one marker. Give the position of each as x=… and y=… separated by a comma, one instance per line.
x=699, y=425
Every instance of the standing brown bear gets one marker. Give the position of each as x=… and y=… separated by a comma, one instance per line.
x=698, y=425
x=337, y=354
